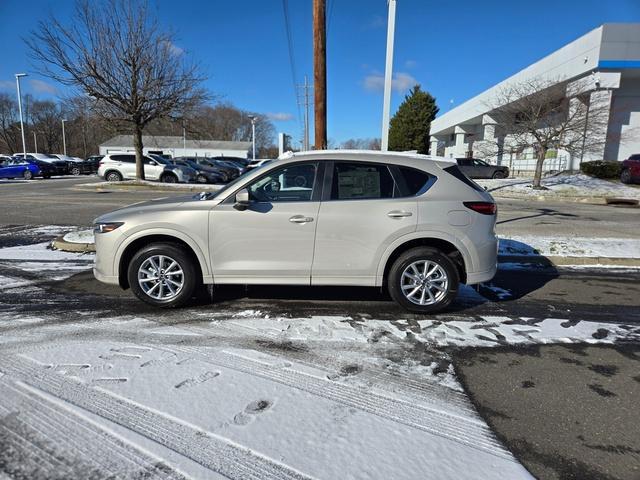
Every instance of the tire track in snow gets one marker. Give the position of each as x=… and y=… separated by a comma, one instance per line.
x=470, y=433
x=209, y=450
x=74, y=439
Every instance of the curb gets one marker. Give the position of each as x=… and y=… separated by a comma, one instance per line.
x=124, y=187
x=558, y=261
x=60, y=244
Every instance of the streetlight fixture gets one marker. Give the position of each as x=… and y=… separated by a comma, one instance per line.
x=24, y=143
x=386, y=104
x=64, y=139
x=253, y=133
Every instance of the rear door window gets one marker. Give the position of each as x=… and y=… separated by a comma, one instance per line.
x=361, y=181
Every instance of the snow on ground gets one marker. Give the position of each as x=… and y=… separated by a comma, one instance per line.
x=151, y=184
x=41, y=252
x=80, y=236
x=569, y=246
x=563, y=185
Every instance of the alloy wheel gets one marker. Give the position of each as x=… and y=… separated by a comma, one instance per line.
x=161, y=277
x=424, y=282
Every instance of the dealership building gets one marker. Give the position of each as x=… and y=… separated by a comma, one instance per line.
x=602, y=66
x=177, y=146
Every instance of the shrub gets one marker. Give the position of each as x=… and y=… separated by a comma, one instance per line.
x=601, y=169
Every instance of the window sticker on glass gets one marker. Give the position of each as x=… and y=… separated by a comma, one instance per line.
x=360, y=183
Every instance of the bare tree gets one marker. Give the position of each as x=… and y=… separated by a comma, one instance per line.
x=361, y=144
x=545, y=115
x=115, y=53
x=9, y=124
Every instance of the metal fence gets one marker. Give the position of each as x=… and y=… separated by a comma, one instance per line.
x=524, y=167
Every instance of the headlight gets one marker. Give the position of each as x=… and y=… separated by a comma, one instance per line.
x=106, y=227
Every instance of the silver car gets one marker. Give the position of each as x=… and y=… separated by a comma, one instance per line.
x=412, y=223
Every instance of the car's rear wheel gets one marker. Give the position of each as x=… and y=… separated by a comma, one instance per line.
x=423, y=280
x=625, y=176
x=27, y=175
x=74, y=171
x=113, y=177
x=169, y=178
x=163, y=275
x=499, y=174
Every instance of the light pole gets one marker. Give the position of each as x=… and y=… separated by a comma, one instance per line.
x=253, y=133
x=386, y=104
x=35, y=142
x=64, y=139
x=24, y=144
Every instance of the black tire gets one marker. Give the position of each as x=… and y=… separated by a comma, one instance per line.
x=46, y=176
x=191, y=275
x=113, y=176
x=201, y=179
x=625, y=176
x=499, y=175
x=394, y=280
x=169, y=178
x=74, y=171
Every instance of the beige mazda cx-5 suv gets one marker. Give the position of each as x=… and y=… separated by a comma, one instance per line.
x=412, y=223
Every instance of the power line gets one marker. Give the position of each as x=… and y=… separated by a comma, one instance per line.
x=292, y=63
x=331, y=4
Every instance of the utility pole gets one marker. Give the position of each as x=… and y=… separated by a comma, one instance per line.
x=253, y=134
x=388, y=72
x=35, y=142
x=320, y=72
x=24, y=144
x=305, y=103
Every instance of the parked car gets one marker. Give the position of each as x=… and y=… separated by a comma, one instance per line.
x=412, y=223
x=61, y=166
x=85, y=167
x=226, y=172
x=233, y=171
x=18, y=168
x=116, y=167
x=630, y=172
x=204, y=173
x=476, y=168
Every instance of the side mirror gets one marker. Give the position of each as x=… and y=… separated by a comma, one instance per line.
x=242, y=200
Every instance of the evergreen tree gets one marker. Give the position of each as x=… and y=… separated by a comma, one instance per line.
x=409, y=127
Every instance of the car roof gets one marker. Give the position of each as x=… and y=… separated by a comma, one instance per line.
x=400, y=158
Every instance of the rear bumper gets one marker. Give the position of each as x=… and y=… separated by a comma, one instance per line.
x=479, y=277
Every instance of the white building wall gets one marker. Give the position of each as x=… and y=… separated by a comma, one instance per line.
x=180, y=152
x=623, y=136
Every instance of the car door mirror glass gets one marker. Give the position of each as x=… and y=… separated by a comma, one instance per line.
x=242, y=199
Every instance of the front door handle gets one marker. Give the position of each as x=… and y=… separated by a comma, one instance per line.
x=398, y=214
x=300, y=219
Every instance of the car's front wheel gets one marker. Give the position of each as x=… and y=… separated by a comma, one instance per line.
x=625, y=176
x=163, y=275
x=169, y=178
x=423, y=280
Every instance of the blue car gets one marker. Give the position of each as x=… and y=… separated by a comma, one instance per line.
x=19, y=168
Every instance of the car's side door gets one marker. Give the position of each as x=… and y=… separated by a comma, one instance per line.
x=466, y=166
x=152, y=169
x=361, y=214
x=271, y=241
x=482, y=169
x=5, y=169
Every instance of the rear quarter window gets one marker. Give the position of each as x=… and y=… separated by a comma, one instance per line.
x=455, y=171
x=413, y=182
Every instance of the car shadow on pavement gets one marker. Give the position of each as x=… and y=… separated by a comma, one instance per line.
x=543, y=212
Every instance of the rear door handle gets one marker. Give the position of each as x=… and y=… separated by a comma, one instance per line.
x=398, y=214
x=300, y=219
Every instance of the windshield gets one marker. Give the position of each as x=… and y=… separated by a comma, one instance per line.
x=159, y=159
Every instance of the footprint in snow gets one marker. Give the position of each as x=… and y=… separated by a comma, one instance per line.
x=254, y=408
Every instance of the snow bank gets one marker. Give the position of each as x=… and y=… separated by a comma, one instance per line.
x=81, y=236
x=573, y=185
x=569, y=246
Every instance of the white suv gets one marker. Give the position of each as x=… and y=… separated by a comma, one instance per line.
x=116, y=167
x=411, y=222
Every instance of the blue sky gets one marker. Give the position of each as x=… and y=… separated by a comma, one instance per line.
x=453, y=49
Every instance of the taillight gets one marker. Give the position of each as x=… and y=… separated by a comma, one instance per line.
x=485, y=208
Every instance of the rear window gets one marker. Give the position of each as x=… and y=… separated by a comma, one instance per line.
x=123, y=158
x=455, y=171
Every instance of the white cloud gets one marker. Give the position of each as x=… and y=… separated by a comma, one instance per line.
x=7, y=84
x=280, y=116
x=410, y=64
x=174, y=49
x=40, y=86
x=377, y=21
x=401, y=82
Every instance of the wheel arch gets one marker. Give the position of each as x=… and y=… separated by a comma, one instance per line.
x=445, y=245
x=128, y=250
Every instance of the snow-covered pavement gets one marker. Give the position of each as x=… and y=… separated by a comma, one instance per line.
x=224, y=393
